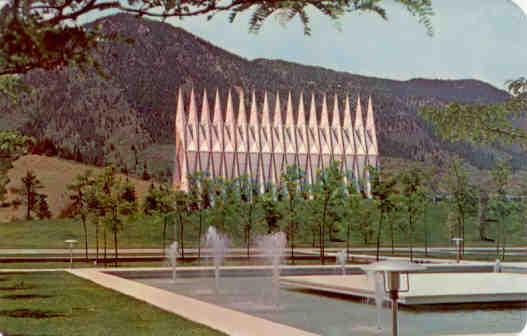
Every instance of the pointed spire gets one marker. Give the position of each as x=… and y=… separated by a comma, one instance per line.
x=347, y=114
x=265, y=112
x=324, y=117
x=229, y=116
x=217, y=117
x=313, y=112
x=253, y=117
x=335, y=122
x=358, y=115
x=205, y=109
x=301, y=117
x=192, y=113
x=289, y=117
x=360, y=148
x=277, y=117
x=180, y=110
x=370, y=128
x=242, y=116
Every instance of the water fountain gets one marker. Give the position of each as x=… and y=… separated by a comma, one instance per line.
x=377, y=281
x=217, y=243
x=172, y=253
x=497, y=266
x=341, y=261
x=273, y=247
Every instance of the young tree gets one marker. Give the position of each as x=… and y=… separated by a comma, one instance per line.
x=42, y=210
x=28, y=192
x=461, y=196
x=160, y=202
x=200, y=199
x=413, y=199
x=271, y=210
x=79, y=195
x=501, y=208
x=291, y=180
x=353, y=207
x=181, y=209
x=383, y=190
x=328, y=190
x=367, y=216
x=249, y=210
x=118, y=209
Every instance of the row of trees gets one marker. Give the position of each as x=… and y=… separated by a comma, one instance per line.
x=321, y=212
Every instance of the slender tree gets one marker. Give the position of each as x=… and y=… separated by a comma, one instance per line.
x=413, y=198
x=79, y=195
x=501, y=207
x=383, y=190
x=461, y=196
x=328, y=190
x=291, y=180
x=28, y=192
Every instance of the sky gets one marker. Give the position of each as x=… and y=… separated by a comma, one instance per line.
x=478, y=39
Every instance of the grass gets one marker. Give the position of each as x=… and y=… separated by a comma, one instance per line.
x=62, y=304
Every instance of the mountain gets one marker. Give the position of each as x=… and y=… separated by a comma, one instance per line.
x=127, y=117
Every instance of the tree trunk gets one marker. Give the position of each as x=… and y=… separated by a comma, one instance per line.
x=411, y=240
x=164, y=235
x=181, y=242
x=28, y=209
x=105, y=245
x=97, y=241
x=348, y=234
x=83, y=220
x=322, y=226
x=504, y=240
x=425, y=223
x=379, y=237
x=116, y=247
x=249, y=227
x=392, y=237
x=199, y=234
x=498, y=238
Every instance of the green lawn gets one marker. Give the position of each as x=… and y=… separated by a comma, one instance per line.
x=69, y=306
x=146, y=232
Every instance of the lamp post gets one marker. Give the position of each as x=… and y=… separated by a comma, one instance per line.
x=392, y=272
x=71, y=242
x=458, y=241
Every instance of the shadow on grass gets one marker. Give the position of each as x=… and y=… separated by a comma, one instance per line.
x=17, y=286
x=25, y=296
x=28, y=313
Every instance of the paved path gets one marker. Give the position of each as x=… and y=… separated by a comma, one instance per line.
x=447, y=249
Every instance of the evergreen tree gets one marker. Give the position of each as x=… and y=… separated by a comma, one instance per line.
x=42, y=210
x=28, y=192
